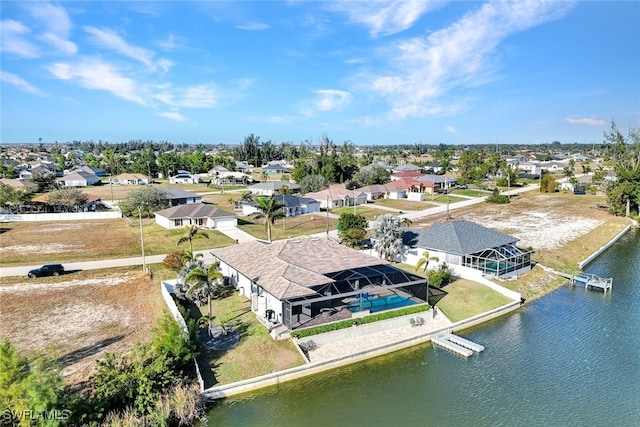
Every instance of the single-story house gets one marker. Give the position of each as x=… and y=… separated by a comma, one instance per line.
x=198, y=214
x=41, y=204
x=337, y=197
x=244, y=167
x=217, y=170
x=405, y=168
x=230, y=177
x=132, y=179
x=270, y=188
x=184, y=177
x=406, y=174
x=374, y=192
x=177, y=196
x=435, y=183
x=91, y=169
x=293, y=205
x=466, y=245
x=77, y=179
x=19, y=183
x=309, y=281
x=276, y=166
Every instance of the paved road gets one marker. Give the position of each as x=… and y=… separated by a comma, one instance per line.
x=236, y=234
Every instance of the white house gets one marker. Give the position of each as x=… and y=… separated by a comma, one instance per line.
x=293, y=205
x=184, y=177
x=177, y=196
x=270, y=188
x=132, y=179
x=198, y=214
x=338, y=197
x=309, y=281
x=466, y=245
x=78, y=179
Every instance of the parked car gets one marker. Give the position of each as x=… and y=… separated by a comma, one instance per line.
x=462, y=186
x=47, y=270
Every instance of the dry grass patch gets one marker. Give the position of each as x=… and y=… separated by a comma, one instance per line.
x=300, y=225
x=79, y=319
x=404, y=205
x=66, y=241
x=534, y=284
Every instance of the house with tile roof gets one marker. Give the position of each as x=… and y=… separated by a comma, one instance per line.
x=464, y=245
x=337, y=197
x=198, y=214
x=78, y=179
x=309, y=281
x=293, y=205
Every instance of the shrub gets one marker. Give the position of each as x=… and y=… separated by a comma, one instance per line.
x=439, y=277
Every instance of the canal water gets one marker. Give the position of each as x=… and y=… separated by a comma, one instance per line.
x=571, y=358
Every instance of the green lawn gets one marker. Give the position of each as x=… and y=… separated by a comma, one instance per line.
x=404, y=205
x=465, y=298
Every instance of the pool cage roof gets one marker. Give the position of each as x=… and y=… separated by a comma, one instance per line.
x=352, y=281
x=502, y=253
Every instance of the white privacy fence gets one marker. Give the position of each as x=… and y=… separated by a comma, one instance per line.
x=67, y=216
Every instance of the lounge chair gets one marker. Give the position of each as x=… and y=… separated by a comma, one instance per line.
x=420, y=321
x=413, y=322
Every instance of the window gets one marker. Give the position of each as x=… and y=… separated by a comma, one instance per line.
x=178, y=222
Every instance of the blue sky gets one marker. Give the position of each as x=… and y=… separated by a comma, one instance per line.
x=374, y=72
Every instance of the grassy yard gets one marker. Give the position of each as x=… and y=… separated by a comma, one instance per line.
x=465, y=298
x=256, y=354
x=293, y=226
x=40, y=242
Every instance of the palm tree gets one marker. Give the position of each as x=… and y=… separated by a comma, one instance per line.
x=205, y=281
x=192, y=232
x=190, y=256
x=388, y=237
x=406, y=222
x=271, y=209
x=423, y=262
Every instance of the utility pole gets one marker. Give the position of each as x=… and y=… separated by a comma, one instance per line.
x=144, y=264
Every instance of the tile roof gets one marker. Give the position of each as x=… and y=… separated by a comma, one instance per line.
x=176, y=193
x=291, y=268
x=456, y=237
x=273, y=185
x=335, y=194
x=194, y=210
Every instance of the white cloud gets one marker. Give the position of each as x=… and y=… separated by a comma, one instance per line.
x=63, y=45
x=253, y=26
x=20, y=83
x=327, y=100
x=586, y=121
x=457, y=56
x=110, y=40
x=172, y=115
x=385, y=17
x=12, y=39
x=201, y=96
x=451, y=130
x=98, y=75
x=54, y=18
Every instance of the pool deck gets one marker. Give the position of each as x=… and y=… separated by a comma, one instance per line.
x=345, y=347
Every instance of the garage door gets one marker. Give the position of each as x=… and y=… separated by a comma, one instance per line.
x=225, y=223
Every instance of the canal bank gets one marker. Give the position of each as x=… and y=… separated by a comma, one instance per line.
x=544, y=364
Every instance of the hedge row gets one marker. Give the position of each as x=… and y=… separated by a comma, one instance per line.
x=329, y=327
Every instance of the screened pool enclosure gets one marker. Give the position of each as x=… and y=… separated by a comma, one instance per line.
x=501, y=261
x=358, y=290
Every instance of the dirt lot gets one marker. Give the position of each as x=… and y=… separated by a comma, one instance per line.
x=78, y=317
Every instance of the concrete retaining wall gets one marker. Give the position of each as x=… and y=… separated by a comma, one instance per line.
x=275, y=378
x=166, y=288
x=604, y=248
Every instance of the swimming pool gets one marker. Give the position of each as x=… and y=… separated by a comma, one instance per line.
x=379, y=303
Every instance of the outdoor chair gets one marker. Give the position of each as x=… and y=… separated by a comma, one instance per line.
x=420, y=321
x=413, y=322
